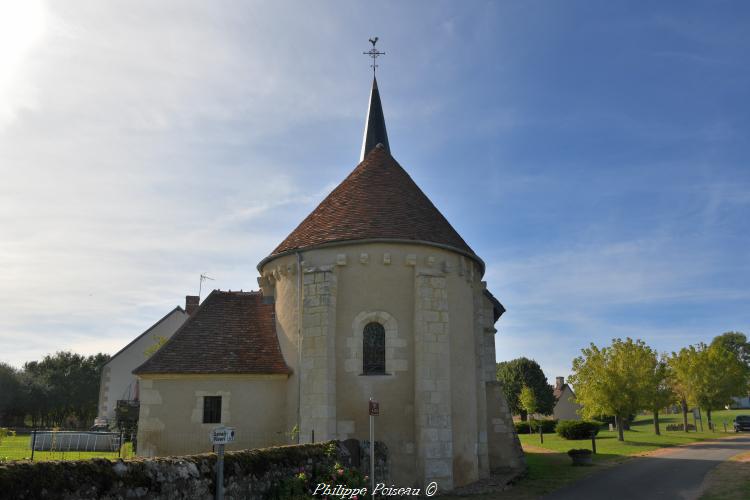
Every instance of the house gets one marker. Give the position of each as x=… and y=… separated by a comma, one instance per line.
x=373, y=295
x=566, y=407
x=117, y=380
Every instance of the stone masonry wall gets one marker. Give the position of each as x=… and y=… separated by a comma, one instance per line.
x=318, y=373
x=248, y=475
x=432, y=399
x=504, y=446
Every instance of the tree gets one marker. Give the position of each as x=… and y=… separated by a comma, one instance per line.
x=527, y=401
x=681, y=366
x=709, y=376
x=720, y=375
x=613, y=380
x=10, y=395
x=659, y=392
x=63, y=386
x=515, y=374
x=735, y=342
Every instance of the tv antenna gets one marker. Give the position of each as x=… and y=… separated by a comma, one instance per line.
x=204, y=277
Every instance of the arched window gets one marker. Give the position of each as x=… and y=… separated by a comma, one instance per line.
x=373, y=349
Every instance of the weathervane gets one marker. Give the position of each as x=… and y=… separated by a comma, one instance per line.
x=374, y=53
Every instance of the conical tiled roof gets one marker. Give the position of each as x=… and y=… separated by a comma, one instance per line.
x=375, y=132
x=378, y=201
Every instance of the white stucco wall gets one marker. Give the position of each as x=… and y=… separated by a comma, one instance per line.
x=566, y=408
x=117, y=380
x=171, y=414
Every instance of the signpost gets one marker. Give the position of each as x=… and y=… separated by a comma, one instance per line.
x=219, y=437
x=374, y=410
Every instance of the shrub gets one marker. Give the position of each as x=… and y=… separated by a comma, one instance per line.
x=521, y=427
x=577, y=429
x=548, y=426
x=302, y=486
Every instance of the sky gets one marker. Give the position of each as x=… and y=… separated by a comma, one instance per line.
x=594, y=154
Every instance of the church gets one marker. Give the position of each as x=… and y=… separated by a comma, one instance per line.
x=373, y=295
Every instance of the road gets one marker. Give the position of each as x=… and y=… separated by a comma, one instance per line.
x=676, y=473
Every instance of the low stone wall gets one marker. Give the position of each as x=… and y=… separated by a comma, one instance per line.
x=250, y=474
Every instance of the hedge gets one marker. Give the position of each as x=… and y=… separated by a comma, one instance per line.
x=548, y=426
x=578, y=429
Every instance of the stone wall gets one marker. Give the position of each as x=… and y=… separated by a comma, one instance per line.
x=318, y=374
x=432, y=396
x=249, y=474
x=505, y=450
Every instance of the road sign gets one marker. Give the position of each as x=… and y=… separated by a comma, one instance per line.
x=374, y=408
x=222, y=435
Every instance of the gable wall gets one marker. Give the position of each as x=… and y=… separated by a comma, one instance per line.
x=118, y=381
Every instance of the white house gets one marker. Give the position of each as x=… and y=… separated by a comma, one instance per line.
x=118, y=381
x=566, y=407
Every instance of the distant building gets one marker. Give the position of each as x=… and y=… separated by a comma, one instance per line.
x=566, y=407
x=118, y=382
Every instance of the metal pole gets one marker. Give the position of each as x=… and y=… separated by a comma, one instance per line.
x=372, y=454
x=541, y=434
x=119, y=448
x=33, y=444
x=725, y=426
x=593, y=444
x=220, y=473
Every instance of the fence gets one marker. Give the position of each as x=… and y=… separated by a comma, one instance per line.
x=43, y=445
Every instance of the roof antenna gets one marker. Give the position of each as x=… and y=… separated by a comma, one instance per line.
x=374, y=53
x=204, y=277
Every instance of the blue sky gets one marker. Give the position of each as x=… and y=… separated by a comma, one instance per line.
x=594, y=154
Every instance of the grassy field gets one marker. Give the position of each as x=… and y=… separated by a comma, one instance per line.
x=19, y=448
x=640, y=438
x=549, y=467
x=730, y=480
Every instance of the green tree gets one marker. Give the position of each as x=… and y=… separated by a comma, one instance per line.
x=613, y=380
x=518, y=372
x=681, y=377
x=68, y=384
x=720, y=376
x=10, y=395
x=711, y=376
x=735, y=342
x=659, y=391
x=527, y=401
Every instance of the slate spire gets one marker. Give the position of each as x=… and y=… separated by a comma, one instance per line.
x=375, y=132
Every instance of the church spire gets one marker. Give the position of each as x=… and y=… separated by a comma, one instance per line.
x=375, y=122
x=375, y=132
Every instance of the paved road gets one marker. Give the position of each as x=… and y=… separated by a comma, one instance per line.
x=673, y=474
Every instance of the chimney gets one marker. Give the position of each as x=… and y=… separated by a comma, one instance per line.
x=191, y=304
x=559, y=382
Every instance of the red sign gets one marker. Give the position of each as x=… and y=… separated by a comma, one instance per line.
x=374, y=408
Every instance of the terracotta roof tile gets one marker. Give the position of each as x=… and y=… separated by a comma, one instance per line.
x=231, y=332
x=378, y=200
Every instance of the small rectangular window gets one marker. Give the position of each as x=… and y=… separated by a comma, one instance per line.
x=211, y=409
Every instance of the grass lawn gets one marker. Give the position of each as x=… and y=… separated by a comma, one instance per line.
x=19, y=448
x=730, y=480
x=641, y=437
